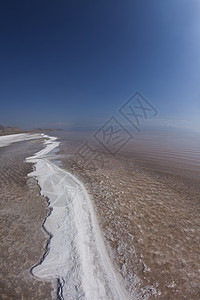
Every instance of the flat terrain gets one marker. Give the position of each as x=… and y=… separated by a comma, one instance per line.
x=149, y=214
x=148, y=210
x=22, y=212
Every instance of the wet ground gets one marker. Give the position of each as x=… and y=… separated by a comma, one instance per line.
x=148, y=210
x=22, y=212
x=150, y=221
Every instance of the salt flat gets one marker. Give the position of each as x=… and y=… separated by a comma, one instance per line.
x=148, y=210
x=22, y=212
x=76, y=254
x=18, y=137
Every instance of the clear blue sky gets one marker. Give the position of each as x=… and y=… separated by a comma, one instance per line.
x=64, y=63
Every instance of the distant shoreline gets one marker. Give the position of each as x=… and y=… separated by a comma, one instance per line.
x=8, y=132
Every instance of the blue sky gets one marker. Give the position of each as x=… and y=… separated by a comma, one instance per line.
x=74, y=63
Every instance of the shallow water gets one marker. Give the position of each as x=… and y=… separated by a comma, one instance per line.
x=148, y=203
x=75, y=253
x=175, y=152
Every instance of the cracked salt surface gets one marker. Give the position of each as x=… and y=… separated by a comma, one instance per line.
x=76, y=254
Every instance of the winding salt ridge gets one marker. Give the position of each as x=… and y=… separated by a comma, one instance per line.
x=76, y=253
x=18, y=137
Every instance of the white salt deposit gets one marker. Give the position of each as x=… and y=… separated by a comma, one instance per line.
x=19, y=137
x=76, y=253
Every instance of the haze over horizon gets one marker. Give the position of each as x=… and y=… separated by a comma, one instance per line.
x=73, y=64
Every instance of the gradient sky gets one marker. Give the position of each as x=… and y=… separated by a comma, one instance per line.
x=74, y=63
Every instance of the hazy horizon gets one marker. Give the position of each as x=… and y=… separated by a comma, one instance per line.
x=71, y=65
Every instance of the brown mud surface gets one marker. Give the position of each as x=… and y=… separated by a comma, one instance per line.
x=22, y=212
